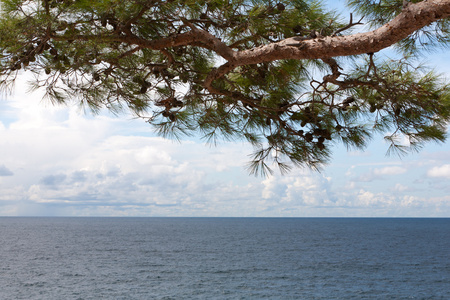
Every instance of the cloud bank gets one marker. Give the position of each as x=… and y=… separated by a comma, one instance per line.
x=58, y=161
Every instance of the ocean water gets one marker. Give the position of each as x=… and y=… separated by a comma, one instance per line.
x=224, y=258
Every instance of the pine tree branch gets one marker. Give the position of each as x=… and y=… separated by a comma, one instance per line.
x=412, y=18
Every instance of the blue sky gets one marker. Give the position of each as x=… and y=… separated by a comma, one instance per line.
x=58, y=161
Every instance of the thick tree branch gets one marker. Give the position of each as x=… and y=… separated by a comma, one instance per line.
x=212, y=43
x=217, y=73
x=412, y=18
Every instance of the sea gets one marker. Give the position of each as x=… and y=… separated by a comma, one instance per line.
x=224, y=258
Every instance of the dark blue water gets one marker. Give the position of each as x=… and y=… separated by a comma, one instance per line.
x=224, y=258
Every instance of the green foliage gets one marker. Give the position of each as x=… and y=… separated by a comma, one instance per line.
x=139, y=55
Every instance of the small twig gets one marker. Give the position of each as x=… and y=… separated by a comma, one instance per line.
x=371, y=65
x=350, y=24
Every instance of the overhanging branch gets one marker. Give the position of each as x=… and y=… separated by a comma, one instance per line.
x=411, y=19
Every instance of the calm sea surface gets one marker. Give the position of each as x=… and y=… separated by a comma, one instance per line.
x=224, y=258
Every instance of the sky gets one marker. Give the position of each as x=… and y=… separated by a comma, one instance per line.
x=60, y=161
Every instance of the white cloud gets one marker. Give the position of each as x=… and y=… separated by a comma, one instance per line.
x=299, y=188
x=370, y=199
x=400, y=188
x=151, y=155
x=378, y=173
x=440, y=171
x=392, y=170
